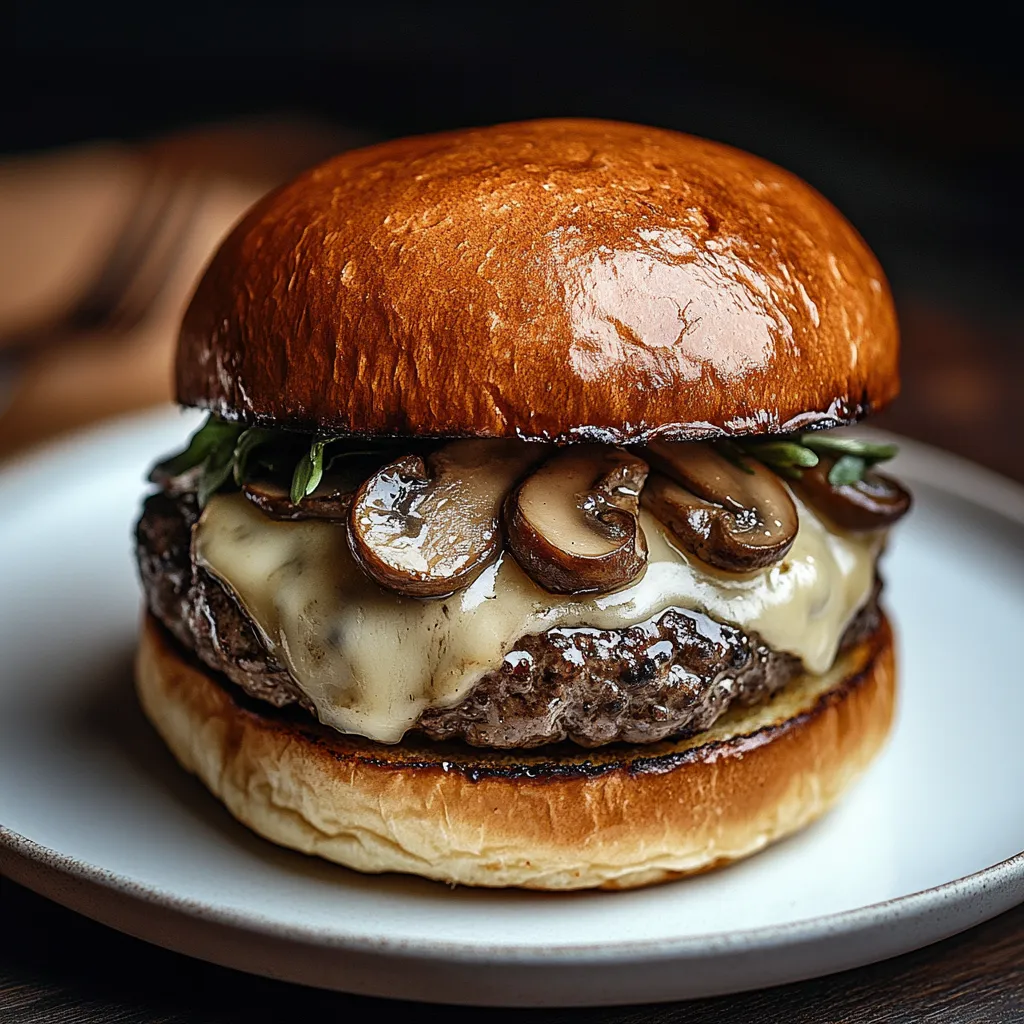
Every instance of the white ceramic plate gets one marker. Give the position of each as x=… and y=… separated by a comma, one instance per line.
x=96, y=815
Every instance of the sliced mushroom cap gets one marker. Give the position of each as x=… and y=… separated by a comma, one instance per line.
x=426, y=527
x=273, y=499
x=572, y=524
x=872, y=503
x=736, y=517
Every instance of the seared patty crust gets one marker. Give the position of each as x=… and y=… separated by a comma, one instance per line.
x=673, y=675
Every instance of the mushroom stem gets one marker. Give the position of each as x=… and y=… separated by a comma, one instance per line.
x=735, y=517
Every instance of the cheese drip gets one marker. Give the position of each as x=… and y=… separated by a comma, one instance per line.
x=371, y=661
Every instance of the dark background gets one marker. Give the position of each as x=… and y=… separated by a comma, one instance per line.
x=906, y=116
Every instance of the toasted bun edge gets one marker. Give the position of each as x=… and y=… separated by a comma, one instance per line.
x=614, y=818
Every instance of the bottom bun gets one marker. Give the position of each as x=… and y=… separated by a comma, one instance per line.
x=555, y=818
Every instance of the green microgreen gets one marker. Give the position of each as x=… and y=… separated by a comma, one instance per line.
x=847, y=469
x=220, y=452
x=308, y=472
x=787, y=458
x=310, y=469
x=211, y=451
x=216, y=470
x=790, y=456
x=214, y=434
x=870, y=451
x=248, y=442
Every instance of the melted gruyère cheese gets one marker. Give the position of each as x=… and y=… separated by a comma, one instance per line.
x=371, y=661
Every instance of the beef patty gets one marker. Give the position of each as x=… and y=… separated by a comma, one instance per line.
x=672, y=675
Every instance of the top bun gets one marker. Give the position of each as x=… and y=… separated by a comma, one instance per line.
x=558, y=279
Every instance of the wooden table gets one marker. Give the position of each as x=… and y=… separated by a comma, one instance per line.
x=964, y=382
x=56, y=966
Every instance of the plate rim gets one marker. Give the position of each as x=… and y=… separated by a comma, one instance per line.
x=950, y=896
x=929, y=465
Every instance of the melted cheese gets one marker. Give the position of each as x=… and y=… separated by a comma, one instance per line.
x=371, y=661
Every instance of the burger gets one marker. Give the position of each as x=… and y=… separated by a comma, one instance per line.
x=518, y=547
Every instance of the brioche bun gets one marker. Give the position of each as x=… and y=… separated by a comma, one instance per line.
x=559, y=279
x=557, y=818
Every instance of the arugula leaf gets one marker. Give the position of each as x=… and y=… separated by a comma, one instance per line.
x=209, y=437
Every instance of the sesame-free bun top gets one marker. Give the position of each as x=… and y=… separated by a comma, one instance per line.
x=562, y=279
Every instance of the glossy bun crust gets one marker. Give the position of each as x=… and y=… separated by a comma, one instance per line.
x=558, y=279
x=616, y=817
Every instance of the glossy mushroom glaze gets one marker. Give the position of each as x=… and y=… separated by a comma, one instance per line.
x=512, y=592
x=425, y=525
